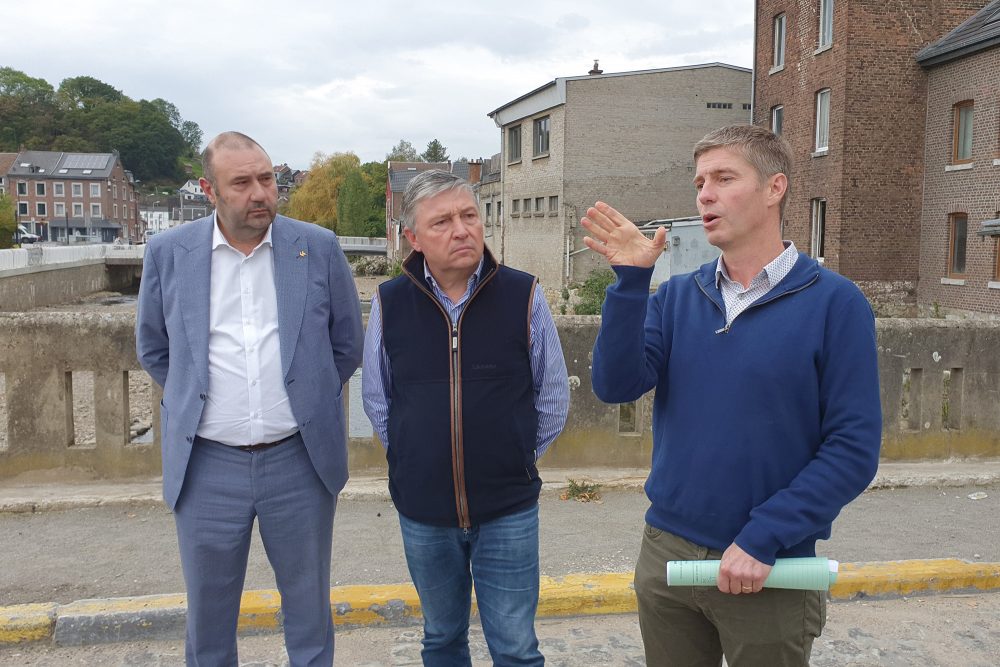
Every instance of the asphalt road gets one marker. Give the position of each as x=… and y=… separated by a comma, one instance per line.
x=63, y=556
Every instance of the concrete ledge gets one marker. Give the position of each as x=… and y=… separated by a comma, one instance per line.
x=162, y=616
x=26, y=623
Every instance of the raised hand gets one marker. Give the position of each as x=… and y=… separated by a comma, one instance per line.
x=619, y=240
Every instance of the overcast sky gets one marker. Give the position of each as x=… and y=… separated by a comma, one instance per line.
x=329, y=76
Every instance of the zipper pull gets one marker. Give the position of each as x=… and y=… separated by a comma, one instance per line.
x=454, y=339
x=723, y=330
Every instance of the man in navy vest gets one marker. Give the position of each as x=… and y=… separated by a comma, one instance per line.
x=465, y=383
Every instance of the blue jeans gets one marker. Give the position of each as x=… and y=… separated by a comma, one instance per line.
x=503, y=555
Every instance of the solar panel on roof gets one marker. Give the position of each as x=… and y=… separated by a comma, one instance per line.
x=86, y=161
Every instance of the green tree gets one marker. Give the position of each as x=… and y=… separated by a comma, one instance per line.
x=353, y=205
x=29, y=115
x=169, y=111
x=8, y=222
x=192, y=136
x=403, y=152
x=375, y=175
x=316, y=199
x=435, y=152
x=80, y=92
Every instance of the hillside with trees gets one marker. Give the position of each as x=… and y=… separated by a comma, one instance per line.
x=85, y=114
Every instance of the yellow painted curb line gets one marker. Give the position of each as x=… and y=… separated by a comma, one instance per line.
x=26, y=623
x=569, y=595
x=912, y=577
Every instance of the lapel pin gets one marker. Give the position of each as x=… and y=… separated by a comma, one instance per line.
x=302, y=253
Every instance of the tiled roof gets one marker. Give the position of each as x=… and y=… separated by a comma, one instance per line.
x=980, y=32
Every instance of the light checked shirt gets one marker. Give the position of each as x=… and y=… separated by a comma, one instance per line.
x=548, y=368
x=737, y=298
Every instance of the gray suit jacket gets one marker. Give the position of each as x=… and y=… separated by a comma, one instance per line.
x=319, y=328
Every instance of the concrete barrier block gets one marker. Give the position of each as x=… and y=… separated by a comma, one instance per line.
x=121, y=619
x=26, y=623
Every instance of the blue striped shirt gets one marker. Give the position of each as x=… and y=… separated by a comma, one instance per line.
x=548, y=368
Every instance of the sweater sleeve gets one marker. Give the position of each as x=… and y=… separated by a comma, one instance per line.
x=851, y=431
x=629, y=352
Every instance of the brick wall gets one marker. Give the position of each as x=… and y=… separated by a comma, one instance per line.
x=533, y=241
x=974, y=191
x=872, y=174
x=629, y=142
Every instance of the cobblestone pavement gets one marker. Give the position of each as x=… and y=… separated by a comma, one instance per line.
x=955, y=630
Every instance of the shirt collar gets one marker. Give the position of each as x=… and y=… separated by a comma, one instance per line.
x=774, y=270
x=473, y=279
x=218, y=239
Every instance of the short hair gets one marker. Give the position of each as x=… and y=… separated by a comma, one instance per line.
x=765, y=151
x=428, y=184
x=232, y=140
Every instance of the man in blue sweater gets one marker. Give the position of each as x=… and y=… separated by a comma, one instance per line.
x=766, y=417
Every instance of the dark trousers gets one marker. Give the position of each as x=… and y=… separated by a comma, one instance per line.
x=684, y=626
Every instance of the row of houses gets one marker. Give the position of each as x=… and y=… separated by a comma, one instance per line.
x=71, y=197
x=893, y=117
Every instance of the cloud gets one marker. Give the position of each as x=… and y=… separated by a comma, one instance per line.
x=335, y=76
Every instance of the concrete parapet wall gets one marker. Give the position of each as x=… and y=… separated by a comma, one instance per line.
x=940, y=397
x=31, y=287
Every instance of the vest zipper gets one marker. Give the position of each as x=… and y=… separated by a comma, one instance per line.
x=457, y=455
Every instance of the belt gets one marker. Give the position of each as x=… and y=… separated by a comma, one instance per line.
x=259, y=447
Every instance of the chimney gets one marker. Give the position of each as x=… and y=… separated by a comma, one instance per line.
x=596, y=70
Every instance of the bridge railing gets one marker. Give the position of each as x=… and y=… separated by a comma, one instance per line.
x=72, y=395
x=39, y=255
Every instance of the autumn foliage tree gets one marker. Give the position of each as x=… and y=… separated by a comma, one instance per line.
x=316, y=199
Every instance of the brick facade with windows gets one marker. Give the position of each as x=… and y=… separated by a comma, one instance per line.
x=972, y=189
x=871, y=176
x=84, y=193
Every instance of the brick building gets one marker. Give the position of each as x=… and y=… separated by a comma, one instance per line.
x=624, y=138
x=70, y=196
x=960, y=230
x=839, y=79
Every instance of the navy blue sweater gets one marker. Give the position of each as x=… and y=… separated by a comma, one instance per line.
x=763, y=432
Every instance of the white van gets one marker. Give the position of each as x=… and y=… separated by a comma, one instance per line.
x=24, y=236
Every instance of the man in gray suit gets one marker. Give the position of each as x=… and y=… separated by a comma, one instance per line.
x=251, y=324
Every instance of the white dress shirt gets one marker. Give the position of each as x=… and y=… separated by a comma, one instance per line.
x=247, y=403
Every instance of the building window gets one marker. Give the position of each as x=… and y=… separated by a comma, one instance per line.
x=95, y=210
x=488, y=207
x=95, y=189
x=779, y=41
x=823, y=120
x=777, y=118
x=515, y=206
x=59, y=189
x=817, y=248
x=747, y=106
x=77, y=210
x=115, y=212
x=514, y=143
x=539, y=205
x=554, y=204
x=22, y=208
x=60, y=211
x=22, y=188
x=77, y=189
x=114, y=191
x=718, y=105
x=39, y=189
x=541, y=136
x=825, y=23
x=41, y=210
x=958, y=227
x=962, y=136
x=526, y=206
